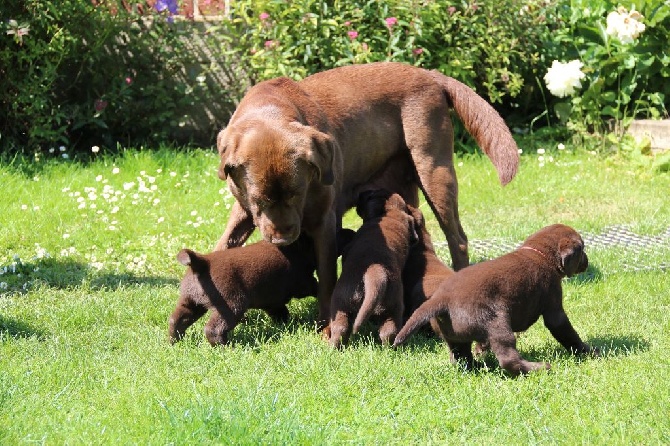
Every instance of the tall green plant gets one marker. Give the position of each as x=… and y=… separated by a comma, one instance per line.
x=625, y=64
x=492, y=52
x=79, y=73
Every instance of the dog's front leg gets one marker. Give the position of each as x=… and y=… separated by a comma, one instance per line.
x=238, y=229
x=559, y=325
x=325, y=245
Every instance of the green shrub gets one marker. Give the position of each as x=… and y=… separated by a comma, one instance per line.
x=492, y=52
x=624, y=77
x=79, y=74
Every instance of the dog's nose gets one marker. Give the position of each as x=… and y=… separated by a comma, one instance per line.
x=284, y=235
x=584, y=263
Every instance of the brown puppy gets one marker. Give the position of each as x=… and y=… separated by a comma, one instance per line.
x=489, y=301
x=296, y=154
x=370, y=284
x=227, y=283
x=423, y=272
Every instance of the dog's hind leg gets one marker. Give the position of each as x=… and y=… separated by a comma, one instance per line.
x=503, y=345
x=217, y=328
x=432, y=155
x=461, y=353
x=340, y=329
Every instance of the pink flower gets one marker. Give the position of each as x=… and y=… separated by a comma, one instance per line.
x=347, y=23
x=451, y=10
x=417, y=51
x=264, y=16
x=391, y=21
x=271, y=43
x=129, y=80
x=352, y=34
x=99, y=105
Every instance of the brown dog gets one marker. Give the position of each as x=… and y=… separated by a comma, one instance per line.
x=423, y=272
x=227, y=283
x=370, y=283
x=489, y=301
x=296, y=154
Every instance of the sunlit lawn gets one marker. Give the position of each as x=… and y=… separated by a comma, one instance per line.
x=89, y=278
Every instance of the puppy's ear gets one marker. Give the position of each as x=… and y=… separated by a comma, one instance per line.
x=572, y=256
x=191, y=258
x=370, y=204
x=320, y=152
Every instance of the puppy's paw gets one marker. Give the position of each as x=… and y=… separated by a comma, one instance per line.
x=586, y=350
x=593, y=351
x=531, y=367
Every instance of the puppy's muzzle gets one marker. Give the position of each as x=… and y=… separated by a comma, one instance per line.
x=583, y=263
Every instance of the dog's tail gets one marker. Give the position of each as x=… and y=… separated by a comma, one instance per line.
x=428, y=310
x=375, y=283
x=485, y=125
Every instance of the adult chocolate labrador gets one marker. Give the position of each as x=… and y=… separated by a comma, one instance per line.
x=297, y=154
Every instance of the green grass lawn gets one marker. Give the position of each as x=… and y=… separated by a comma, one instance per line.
x=89, y=278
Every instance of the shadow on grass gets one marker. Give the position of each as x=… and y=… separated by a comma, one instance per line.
x=257, y=329
x=18, y=330
x=609, y=346
x=592, y=274
x=65, y=273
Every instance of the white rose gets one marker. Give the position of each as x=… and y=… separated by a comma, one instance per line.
x=563, y=79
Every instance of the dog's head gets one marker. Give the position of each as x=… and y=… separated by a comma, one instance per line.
x=564, y=244
x=270, y=169
x=379, y=202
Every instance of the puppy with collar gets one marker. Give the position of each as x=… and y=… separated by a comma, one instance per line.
x=489, y=301
x=370, y=285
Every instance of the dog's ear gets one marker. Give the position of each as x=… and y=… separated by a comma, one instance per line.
x=225, y=144
x=370, y=204
x=191, y=258
x=220, y=141
x=573, y=258
x=321, y=152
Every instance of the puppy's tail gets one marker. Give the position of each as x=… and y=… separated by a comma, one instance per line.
x=485, y=125
x=428, y=310
x=375, y=283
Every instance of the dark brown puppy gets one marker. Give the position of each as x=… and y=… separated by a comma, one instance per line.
x=227, y=283
x=295, y=154
x=489, y=301
x=370, y=284
x=423, y=272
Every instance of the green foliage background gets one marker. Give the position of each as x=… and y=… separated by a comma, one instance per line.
x=106, y=74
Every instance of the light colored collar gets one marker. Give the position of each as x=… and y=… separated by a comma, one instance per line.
x=559, y=267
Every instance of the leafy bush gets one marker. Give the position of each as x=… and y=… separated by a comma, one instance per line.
x=625, y=76
x=73, y=73
x=492, y=52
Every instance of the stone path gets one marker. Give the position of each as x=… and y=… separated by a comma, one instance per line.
x=636, y=252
